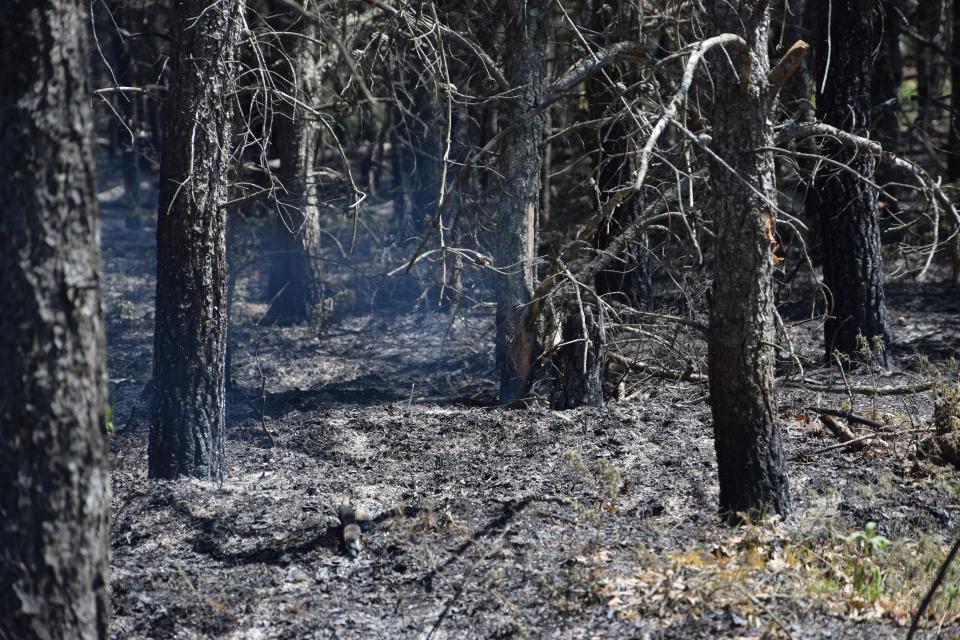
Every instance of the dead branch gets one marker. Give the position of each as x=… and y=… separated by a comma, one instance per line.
x=848, y=416
x=841, y=432
x=786, y=67
x=655, y=371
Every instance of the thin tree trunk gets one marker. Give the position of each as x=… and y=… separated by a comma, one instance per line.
x=750, y=460
x=629, y=278
x=929, y=23
x=519, y=197
x=579, y=361
x=953, y=158
x=54, y=507
x=885, y=95
x=294, y=287
x=846, y=205
x=186, y=436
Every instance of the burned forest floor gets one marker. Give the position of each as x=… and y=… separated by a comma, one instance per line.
x=493, y=523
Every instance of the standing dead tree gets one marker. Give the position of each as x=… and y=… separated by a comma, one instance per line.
x=186, y=434
x=843, y=198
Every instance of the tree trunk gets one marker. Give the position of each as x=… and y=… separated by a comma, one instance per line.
x=517, y=206
x=750, y=460
x=953, y=158
x=54, y=507
x=294, y=287
x=186, y=436
x=579, y=361
x=929, y=23
x=846, y=206
x=885, y=95
x=629, y=280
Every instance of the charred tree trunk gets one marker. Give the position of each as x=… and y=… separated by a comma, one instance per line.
x=885, y=94
x=953, y=158
x=846, y=205
x=579, y=361
x=629, y=279
x=294, y=287
x=186, y=436
x=750, y=460
x=517, y=206
x=54, y=507
x=929, y=23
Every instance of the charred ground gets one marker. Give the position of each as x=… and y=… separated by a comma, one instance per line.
x=496, y=523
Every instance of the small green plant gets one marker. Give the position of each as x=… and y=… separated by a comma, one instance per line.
x=110, y=427
x=868, y=579
x=868, y=540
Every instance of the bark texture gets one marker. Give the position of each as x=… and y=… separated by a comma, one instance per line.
x=579, y=361
x=629, y=280
x=519, y=196
x=186, y=436
x=845, y=205
x=953, y=156
x=750, y=460
x=294, y=287
x=54, y=507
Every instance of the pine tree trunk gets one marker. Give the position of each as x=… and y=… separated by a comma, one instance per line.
x=750, y=460
x=186, y=437
x=54, y=507
x=885, y=96
x=579, y=361
x=845, y=205
x=929, y=23
x=517, y=206
x=953, y=157
x=629, y=279
x=294, y=287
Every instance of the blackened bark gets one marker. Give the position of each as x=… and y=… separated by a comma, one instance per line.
x=929, y=23
x=885, y=95
x=54, y=507
x=579, y=361
x=294, y=287
x=418, y=155
x=750, y=460
x=630, y=278
x=186, y=436
x=519, y=164
x=845, y=205
x=953, y=158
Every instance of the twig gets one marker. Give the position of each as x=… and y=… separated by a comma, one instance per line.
x=941, y=574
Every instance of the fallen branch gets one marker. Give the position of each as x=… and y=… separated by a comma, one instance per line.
x=846, y=415
x=861, y=390
x=849, y=443
x=842, y=433
x=657, y=372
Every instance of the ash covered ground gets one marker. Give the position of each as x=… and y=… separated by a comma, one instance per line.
x=492, y=523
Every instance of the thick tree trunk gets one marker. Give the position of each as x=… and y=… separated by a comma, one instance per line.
x=54, y=507
x=846, y=206
x=750, y=460
x=294, y=287
x=186, y=437
x=519, y=164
